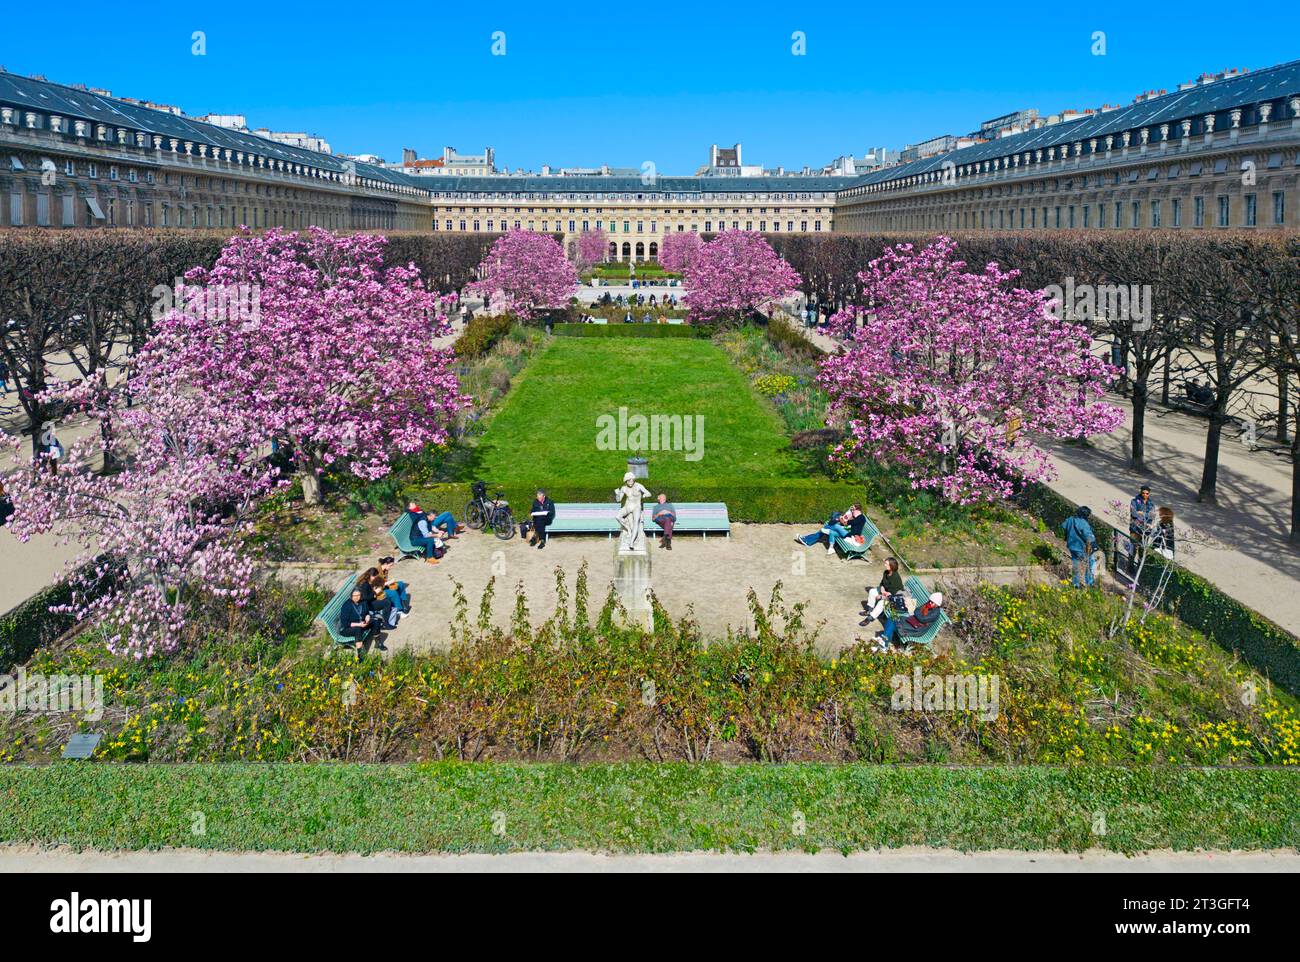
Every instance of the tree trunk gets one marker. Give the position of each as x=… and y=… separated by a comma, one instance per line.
x=1138, y=454
x=1164, y=387
x=311, y=486
x=1210, y=471
x=1295, y=488
x=1283, y=384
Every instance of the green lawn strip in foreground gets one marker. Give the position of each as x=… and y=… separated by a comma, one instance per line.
x=452, y=807
x=546, y=433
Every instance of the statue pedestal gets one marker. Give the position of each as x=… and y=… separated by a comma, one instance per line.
x=632, y=585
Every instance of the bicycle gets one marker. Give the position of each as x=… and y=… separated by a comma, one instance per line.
x=492, y=515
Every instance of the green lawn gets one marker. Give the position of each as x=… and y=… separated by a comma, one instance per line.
x=454, y=807
x=547, y=431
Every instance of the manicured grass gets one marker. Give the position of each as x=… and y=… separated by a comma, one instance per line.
x=546, y=433
x=452, y=807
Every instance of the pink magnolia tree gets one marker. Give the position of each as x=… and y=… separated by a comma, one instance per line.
x=591, y=247
x=734, y=275
x=676, y=251
x=162, y=532
x=951, y=373
x=527, y=273
x=339, y=363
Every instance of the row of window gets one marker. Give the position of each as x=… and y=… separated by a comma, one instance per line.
x=1119, y=215
x=493, y=226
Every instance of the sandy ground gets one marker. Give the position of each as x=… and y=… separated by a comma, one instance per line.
x=705, y=577
x=708, y=578
x=911, y=859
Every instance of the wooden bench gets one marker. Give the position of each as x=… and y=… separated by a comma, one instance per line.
x=704, y=517
x=400, y=532
x=852, y=549
x=920, y=595
x=329, y=615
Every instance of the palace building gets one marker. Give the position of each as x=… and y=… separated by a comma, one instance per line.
x=1220, y=152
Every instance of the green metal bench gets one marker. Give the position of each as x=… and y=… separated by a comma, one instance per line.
x=852, y=549
x=920, y=595
x=400, y=532
x=329, y=615
x=704, y=517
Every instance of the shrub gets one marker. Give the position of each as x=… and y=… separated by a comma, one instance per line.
x=481, y=333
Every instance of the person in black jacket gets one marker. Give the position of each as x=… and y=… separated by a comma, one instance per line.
x=542, y=514
x=356, y=622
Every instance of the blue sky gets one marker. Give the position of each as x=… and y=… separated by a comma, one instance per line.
x=624, y=83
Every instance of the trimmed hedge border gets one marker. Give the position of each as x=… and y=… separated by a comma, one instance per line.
x=791, y=503
x=31, y=624
x=1266, y=646
x=634, y=330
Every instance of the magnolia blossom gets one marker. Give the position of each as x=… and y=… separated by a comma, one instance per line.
x=949, y=374
x=339, y=364
x=678, y=250
x=527, y=273
x=162, y=531
x=735, y=274
x=591, y=247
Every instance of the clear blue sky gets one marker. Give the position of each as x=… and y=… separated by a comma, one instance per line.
x=623, y=83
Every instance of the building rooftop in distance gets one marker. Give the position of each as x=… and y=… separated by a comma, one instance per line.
x=1208, y=96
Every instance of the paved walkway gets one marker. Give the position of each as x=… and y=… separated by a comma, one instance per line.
x=1250, y=559
x=911, y=859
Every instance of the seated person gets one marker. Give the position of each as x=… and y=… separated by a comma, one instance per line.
x=888, y=592
x=396, y=589
x=356, y=622
x=913, y=625
x=857, y=523
x=1162, y=538
x=427, y=537
x=541, y=514
x=665, y=515
x=836, y=527
x=382, y=606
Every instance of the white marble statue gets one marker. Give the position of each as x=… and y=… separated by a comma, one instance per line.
x=632, y=530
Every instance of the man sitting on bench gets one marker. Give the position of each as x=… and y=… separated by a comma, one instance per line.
x=910, y=625
x=427, y=537
x=847, y=525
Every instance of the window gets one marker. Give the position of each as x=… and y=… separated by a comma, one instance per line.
x=1225, y=209
x=69, y=216
x=1279, y=208
x=1177, y=211
x=16, y=209
x=92, y=170
x=1119, y=214
x=1155, y=213
x=1198, y=212
x=1249, y=217
x=1136, y=214
x=112, y=172
x=42, y=210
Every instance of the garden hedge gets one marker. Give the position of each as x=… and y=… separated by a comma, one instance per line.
x=25, y=628
x=1266, y=646
x=792, y=502
x=634, y=330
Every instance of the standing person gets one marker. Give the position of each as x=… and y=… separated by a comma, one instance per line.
x=542, y=514
x=888, y=593
x=1162, y=540
x=1141, y=515
x=665, y=515
x=1081, y=542
x=6, y=506
x=4, y=377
